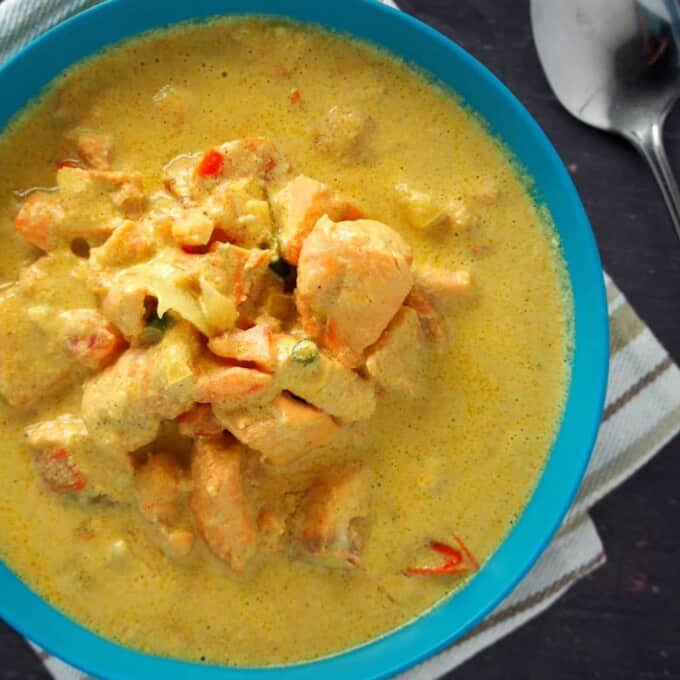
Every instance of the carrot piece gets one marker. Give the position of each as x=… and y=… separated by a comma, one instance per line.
x=459, y=560
x=211, y=164
x=295, y=96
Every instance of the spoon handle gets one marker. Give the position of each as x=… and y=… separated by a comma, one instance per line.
x=650, y=144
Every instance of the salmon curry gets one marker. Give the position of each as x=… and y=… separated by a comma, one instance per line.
x=284, y=342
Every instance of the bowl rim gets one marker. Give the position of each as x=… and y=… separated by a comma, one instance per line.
x=24, y=77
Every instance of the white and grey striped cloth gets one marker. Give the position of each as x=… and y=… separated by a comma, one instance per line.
x=642, y=414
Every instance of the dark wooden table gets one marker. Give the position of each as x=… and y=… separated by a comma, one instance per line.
x=624, y=620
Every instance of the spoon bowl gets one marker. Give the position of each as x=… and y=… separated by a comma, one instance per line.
x=615, y=65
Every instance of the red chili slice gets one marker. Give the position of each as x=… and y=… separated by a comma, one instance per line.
x=459, y=560
x=211, y=164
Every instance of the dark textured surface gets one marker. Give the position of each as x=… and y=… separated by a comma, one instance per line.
x=624, y=620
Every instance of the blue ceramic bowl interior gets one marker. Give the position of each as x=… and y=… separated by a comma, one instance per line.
x=28, y=73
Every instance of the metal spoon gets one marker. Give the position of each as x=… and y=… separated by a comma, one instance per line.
x=615, y=65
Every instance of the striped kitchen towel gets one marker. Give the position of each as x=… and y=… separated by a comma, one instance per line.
x=642, y=413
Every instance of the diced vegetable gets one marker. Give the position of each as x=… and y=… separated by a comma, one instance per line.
x=211, y=164
x=192, y=228
x=305, y=352
x=458, y=560
x=219, y=310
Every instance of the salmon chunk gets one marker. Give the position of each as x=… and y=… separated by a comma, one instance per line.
x=84, y=334
x=56, y=441
x=347, y=134
x=238, y=209
x=420, y=209
x=352, y=278
x=40, y=218
x=232, y=387
x=252, y=157
x=431, y=319
x=23, y=380
x=95, y=200
x=95, y=149
x=220, y=503
x=395, y=360
x=87, y=205
x=123, y=406
x=283, y=431
x=89, y=338
x=255, y=345
x=272, y=526
x=159, y=488
x=33, y=328
x=200, y=421
x=434, y=291
x=70, y=461
x=322, y=380
x=325, y=527
x=124, y=306
x=241, y=274
x=127, y=245
x=161, y=501
x=192, y=178
x=192, y=228
x=298, y=207
x=444, y=286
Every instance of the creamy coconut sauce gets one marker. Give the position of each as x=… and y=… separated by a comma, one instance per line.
x=462, y=459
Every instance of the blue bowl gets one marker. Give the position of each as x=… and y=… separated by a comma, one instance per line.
x=28, y=73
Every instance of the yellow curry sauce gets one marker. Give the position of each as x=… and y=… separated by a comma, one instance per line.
x=459, y=460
